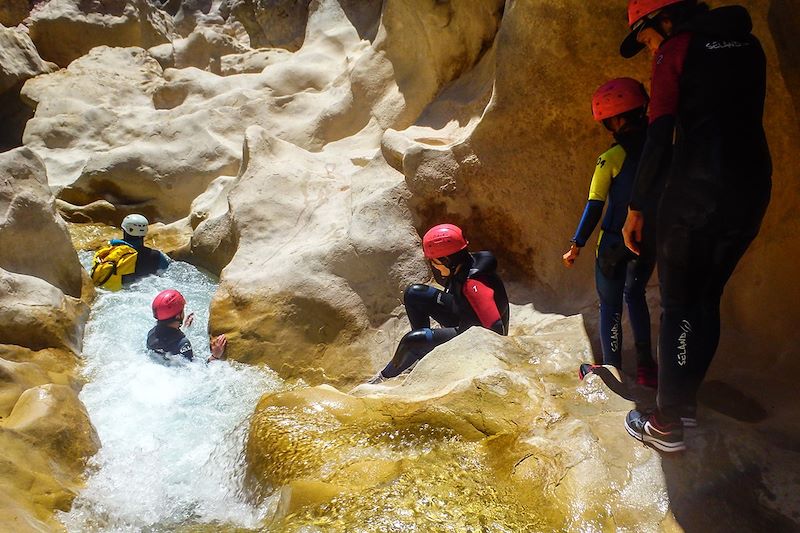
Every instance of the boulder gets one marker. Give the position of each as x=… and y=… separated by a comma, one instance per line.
x=492, y=422
x=38, y=315
x=64, y=30
x=31, y=231
x=309, y=273
x=19, y=61
x=270, y=23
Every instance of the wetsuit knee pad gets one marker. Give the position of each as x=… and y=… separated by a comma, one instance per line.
x=419, y=293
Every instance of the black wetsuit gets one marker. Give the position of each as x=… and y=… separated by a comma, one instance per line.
x=474, y=296
x=168, y=341
x=708, y=87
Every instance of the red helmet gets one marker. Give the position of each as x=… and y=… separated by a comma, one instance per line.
x=637, y=9
x=443, y=240
x=618, y=96
x=168, y=304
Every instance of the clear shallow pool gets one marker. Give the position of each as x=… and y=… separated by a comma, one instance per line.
x=171, y=436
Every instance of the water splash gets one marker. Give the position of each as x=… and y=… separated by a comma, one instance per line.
x=172, y=436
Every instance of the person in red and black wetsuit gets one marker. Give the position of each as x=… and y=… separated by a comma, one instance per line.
x=708, y=89
x=473, y=295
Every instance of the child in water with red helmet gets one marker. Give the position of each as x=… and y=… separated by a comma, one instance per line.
x=473, y=295
x=166, y=338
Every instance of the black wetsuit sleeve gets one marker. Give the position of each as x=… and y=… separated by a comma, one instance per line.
x=185, y=349
x=591, y=216
x=655, y=156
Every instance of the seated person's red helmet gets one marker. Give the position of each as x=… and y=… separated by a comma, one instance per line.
x=443, y=240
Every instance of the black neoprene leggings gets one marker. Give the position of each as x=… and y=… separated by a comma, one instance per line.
x=703, y=231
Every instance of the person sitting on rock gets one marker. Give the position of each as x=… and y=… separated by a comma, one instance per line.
x=166, y=339
x=621, y=106
x=126, y=260
x=473, y=295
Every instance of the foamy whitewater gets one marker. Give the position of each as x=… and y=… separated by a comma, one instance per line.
x=172, y=436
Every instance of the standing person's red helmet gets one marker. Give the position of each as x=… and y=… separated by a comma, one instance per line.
x=168, y=305
x=618, y=96
x=443, y=240
x=637, y=11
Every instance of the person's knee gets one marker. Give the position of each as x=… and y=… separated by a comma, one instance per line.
x=419, y=338
x=417, y=293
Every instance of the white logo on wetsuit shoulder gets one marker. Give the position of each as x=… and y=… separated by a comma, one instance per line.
x=719, y=45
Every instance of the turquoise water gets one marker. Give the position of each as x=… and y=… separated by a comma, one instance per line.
x=172, y=436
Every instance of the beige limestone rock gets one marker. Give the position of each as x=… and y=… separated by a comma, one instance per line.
x=203, y=48
x=65, y=30
x=506, y=411
x=310, y=273
x=38, y=315
x=270, y=24
x=31, y=232
x=19, y=59
x=57, y=423
x=46, y=441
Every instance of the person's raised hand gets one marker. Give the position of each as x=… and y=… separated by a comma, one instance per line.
x=218, y=346
x=189, y=320
x=572, y=254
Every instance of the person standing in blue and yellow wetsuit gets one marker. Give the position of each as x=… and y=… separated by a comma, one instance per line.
x=621, y=105
x=473, y=295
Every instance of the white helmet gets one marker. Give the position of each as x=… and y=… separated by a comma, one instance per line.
x=135, y=225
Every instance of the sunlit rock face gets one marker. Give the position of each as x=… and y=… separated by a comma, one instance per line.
x=45, y=433
x=512, y=144
x=19, y=61
x=64, y=30
x=31, y=232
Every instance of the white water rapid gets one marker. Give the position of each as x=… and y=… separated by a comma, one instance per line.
x=171, y=436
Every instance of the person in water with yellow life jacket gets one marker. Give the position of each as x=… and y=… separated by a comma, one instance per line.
x=166, y=339
x=473, y=295
x=126, y=260
x=621, y=106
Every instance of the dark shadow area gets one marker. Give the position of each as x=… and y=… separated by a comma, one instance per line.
x=716, y=486
x=364, y=15
x=14, y=114
x=731, y=402
x=784, y=22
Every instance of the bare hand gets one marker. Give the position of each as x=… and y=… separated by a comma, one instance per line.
x=632, y=230
x=218, y=346
x=572, y=254
x=189, y=320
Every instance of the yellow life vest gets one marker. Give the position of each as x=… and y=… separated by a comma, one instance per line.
x=111, y=263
